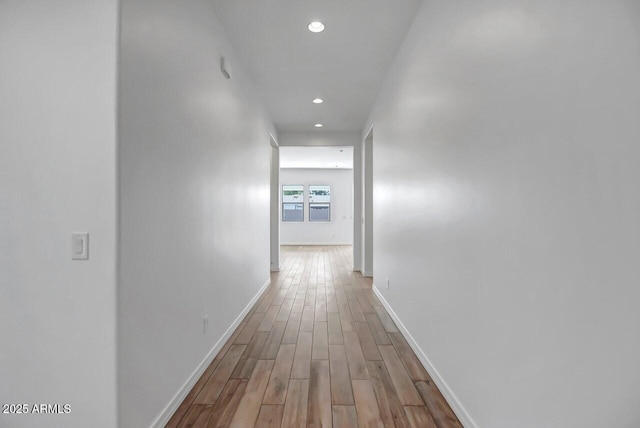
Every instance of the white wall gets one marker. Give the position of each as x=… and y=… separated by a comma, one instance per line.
x=318, y=138
x=194, y=152
x=508, y=132
x=339, y=231
x=366, y=203
x=58, y=176
x=274, y=208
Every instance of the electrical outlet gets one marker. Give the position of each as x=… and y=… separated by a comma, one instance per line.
x=205, y=324
x=387, y=283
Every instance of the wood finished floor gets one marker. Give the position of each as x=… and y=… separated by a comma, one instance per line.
x=317, y=350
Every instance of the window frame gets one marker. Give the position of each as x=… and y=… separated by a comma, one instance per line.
x=301, y=203
x=312, y=203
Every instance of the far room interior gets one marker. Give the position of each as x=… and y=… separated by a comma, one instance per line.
x=316, y=196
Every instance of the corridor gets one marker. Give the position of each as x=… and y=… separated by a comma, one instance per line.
x=160, y=160
x=317, y=349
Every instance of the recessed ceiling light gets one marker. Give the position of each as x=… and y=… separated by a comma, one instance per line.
x=318, y=125
x=316, y=27
x=318, y=100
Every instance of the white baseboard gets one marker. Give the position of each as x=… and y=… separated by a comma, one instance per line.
x=177, y=399
x=448, y=394
x=327, y=244
x=275, y=268
x=367, y=274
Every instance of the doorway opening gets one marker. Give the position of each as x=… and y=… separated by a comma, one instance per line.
x=315, y=195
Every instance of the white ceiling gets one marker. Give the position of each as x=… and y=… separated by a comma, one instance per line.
x=344, y=65
x=316, y=157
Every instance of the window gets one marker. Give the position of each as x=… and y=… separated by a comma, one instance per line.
x=319, y=203
x=293, y=203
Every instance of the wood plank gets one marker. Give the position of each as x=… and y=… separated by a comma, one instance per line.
x=269, y=318
x=419, y=417
x=272, y=344
x=301, y=368
x=231, y=340
x=386, y=395
x=249, y=406
x=270, y=416
x=442, y=414
x=307, y=319
x=277, y=388
x=295, y=408
x=415, y=369
x=320, y=341
x=249, y=358
x=344, y=417
x=407, y=393
x=381, y=396
x=365, y=306
x=286, y=284
x=293, y=291
x=285, y=309
x=332, y=303
x=341, y=298
x=184, y=407
x=356, y=312
x=319, y=410
x=371, y=296
x=293, y=326
x=310, y=298
x=265, y=300
x=357, y=363
x=379, y=334
x=368, y=343
x=368, y=294
x=386, y=320
x=247, y=332
x=249, y=314
x=321, y=308
x=212, y=389
x=346, y=320
x=341, y=392
x=227, y=403
x=279, y=298
x=335, y=329
x=298, y=303
x=197, y=416
x=366, y=404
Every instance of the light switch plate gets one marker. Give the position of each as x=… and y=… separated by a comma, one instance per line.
x=79, y=246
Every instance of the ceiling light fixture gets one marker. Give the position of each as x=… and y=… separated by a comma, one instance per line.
x=318, y=100
x=316, y=27
x=318, y=125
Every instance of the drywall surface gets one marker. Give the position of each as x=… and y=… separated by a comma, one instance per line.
x=318, y=138
x=274, y=208
x=357, y=206
x=506, y=205
x=57, y=177
x=194, y=152
x=338, y=231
